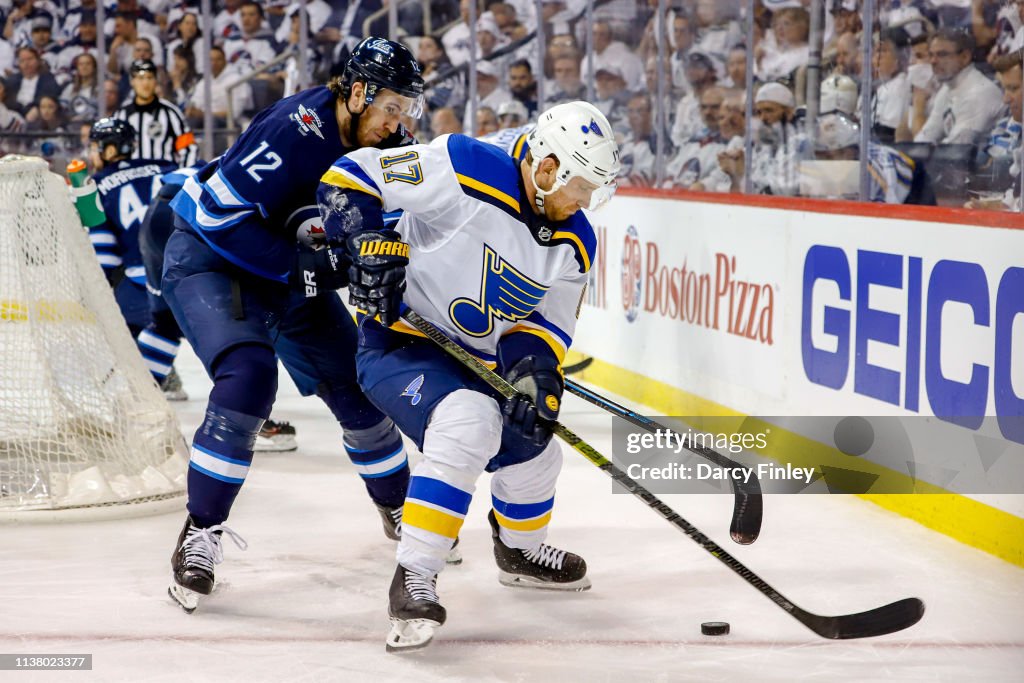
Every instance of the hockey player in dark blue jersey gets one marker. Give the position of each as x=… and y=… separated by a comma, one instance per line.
x=126, y=187
x=242, y=289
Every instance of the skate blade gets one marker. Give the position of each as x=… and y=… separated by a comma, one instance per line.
x=454, y=556
x=275, y=444
x=187, y=599
x=176, y=395
x=409, y=635
x=523, y=581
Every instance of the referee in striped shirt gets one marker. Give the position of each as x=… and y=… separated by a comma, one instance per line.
x=160, y=128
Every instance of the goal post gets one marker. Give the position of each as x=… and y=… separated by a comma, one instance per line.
x=84, y=430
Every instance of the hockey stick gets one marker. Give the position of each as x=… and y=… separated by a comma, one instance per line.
x=747, y=508
x=889, y=618
x=577, y=367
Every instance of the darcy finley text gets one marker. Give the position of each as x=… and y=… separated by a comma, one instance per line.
x=703, y=471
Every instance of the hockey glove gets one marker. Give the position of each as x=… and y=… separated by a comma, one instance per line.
x=324, y=269
x=377, y=273
x=534, y=410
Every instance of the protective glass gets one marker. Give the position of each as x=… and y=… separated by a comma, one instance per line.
x=586, y=194
x=395, y=105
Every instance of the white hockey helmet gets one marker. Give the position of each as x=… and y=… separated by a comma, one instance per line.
x=581, y=138
x=838, y=93
x=836, y=131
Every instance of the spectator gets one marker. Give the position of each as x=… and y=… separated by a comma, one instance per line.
x=253, y=45
x=25, y=88
x=18, y=28
x=700, y=75
x=790, y=26
x=640, y=146
x=80, y=98
x=567, y=85
x=10, y=120
x=486, y=122
x=227, y=24
x=892, y=95
x=698, y=156
x=7, y=60
x=612, y=96
x=848, y=55
x=727, y=174
x=923, y=84
x=718, y=32
x=319, y=13
x=489, y=91
x=73, y=19
x=1005, y=139
x=456, y=40
x=967, y=104
x=891, y=177
x=46, y=115
x=122, y=48
x=112, y=99
x=512, y=114
x=561, y=45
x=683, y=34
x=188, y=34
x=608, y=52
x=1008, y=29
x=779, y=142
x=183, y=76
x=839, y=93
x=736, y=68
x=83, y=42
x=651, y=82
x=241, y=97
x=444, y=121
x=42, y=41
x=145, y=21
x=450, y=91
x=523, y=85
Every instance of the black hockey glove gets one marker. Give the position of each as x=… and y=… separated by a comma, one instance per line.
x=534, y=410
x=324, y=269
x=377, y=273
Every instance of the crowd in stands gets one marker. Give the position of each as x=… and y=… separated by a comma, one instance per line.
x=945, y=105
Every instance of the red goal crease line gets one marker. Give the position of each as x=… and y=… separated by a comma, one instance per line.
x=15, y=311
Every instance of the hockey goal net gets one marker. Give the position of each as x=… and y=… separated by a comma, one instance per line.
x=84, y=429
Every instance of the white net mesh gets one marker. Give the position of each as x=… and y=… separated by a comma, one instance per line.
x=82, y=423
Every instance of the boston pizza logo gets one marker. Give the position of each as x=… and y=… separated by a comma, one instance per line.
x=631, y=274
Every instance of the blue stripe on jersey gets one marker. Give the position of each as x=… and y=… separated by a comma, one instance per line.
x=354, y=169
x=522, y=510
x=439, y=493
x=580, y=234
x=490, y=167
x=537, y=319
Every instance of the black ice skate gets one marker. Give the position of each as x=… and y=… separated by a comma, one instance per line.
x=392, y=520
x=195, y=555
x=546, y=568
x=275, y=437
x=171, y=387
x=414, y=610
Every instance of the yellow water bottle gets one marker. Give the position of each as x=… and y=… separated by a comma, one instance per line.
x=85, y=195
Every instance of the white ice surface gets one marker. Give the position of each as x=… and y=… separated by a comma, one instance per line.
x=306, y=602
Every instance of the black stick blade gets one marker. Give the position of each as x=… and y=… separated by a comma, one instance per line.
x=747, y=511
x=875, y=622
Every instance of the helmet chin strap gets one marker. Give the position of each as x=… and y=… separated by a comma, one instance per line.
x=353, y=123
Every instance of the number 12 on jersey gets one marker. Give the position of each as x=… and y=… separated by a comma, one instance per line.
x=274, y=161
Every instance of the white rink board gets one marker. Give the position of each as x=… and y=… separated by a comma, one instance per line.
x=898, y=341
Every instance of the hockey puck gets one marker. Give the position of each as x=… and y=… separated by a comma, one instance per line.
x=714, y=628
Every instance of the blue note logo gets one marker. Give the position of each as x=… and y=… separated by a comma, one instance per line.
x=505, y=294
x=413, y=390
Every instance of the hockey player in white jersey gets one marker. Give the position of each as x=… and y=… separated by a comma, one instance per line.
x=495, y=252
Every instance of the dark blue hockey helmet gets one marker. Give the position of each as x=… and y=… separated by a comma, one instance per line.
x=108, y=131
x=384, y=64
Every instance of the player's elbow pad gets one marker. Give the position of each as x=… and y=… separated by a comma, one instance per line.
x=324, y=269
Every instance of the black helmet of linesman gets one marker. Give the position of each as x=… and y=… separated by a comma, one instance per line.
x=383, y=64
x=116, y=132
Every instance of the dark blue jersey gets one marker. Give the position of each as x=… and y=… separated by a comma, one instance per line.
x=249, y=204
x=126, y=189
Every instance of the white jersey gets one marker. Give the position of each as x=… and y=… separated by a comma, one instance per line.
x=512, y=140
x=482, y=265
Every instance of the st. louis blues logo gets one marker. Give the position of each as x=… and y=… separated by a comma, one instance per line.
x=505, y=293
x=413, y=390
x=592, y=128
